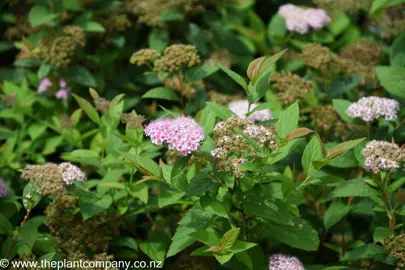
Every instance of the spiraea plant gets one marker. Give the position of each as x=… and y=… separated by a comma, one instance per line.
x=202, y=134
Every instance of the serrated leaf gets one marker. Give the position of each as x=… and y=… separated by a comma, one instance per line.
x=335, y=213
x=342, y=148
x=354, y=187
x=341, y=106
x=200, y=72
x=288, y=120
x=229, y=238
x=235, y=76
x=393, y=79
x=368, y=251
x=89, y=109
x=39, y=15
x=220, y=111
x=144, y=164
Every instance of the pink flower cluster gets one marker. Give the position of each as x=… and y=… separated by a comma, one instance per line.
x=183, y=134
x=3, y=188
x=46, y=83
x=285, y=262
x=301, y=20
x=71, y=173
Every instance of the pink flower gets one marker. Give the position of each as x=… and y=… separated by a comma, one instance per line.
x=62, y=83
x=183, y=134
x=3, y=188
x=284, y=262
x=300, y=20
x=158, y=131
x=44, y=85
x=71, y=173
x=317, y=18
x=62, y=94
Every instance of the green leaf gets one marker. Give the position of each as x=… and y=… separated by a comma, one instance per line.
x=397, y=52
x=313, y=151
x=378, y=6
x=92, y=27
x=356, y=188
x=209, y=238
x=235, y=76
x=5, y=226
x=80, y=75
x=381, y=233
x=298, y=234
x=31, y=196
x=223, y=258
x=158, y=39
x=341, y=106
x=342, y=148
x=72, y=5
x=156, y=244
x=83, y=156
x=92, y=206
x=169, y=196
x=288, y=120
x=44, y=70
x=229, y=238
x=336, y=211
x=144, y=164
x=125, y=241
x=277, y=30
x=214, y=206
x=343, y=85
x=220, y=111
x=161, y=93
x=171, y=14
x=39, y=15
x=393, y=79
x=240, y=246
x=35, y=130
x=199, y=184
x=88, y=109
x=196, y=220
x=368, y=251
x=322, y=36
x=339, y=23
x=139, y=191
x=199, y=73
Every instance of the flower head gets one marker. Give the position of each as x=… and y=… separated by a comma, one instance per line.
x=63, y=92
x=3, y=188
x=240, y=108
x=71, y=173
x=317, y=18
x=44, y=85
x=383, y=156
x=284, y=262
x=183, y=134
x=300, y=20
x=372, y=108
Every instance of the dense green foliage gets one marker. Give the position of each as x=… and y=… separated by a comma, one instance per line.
x=291, y=141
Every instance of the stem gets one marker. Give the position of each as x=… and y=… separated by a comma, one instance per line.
x=245, y=225
x=368, y=130
x=16, y=235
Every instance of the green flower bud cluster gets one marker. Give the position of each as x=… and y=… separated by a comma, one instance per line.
x=231, y=146
x=395, y=245
x=222, y=99
x=185, y=89
x=222, y=56
x=177, y=57
x=66, y=121
x=328, y=124
x=47, y=177
x=149, y=11
x=21, y=29
x=144, y=56
x=116, y=23
x=290, y=87
x=391, y=22
x=330, y=65
x=59, y=50
x=101, y=104
x=132, y=121
x=343, y=5
x=75, y=236
x=364, y=51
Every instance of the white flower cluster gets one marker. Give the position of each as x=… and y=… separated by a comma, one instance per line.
x=71, y=173
x=260, y=132
x=372, y=108
x=383, y=156
x=301, y=20
x=240, y=108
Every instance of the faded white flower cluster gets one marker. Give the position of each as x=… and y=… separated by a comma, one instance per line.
x=372, y=108
x=285, y=262
x=383, y=156
x=301, y=20
x=71, y=173
x=240, y=108
x=3, y=188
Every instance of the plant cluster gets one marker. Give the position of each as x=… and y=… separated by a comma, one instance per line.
x=232, y=134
